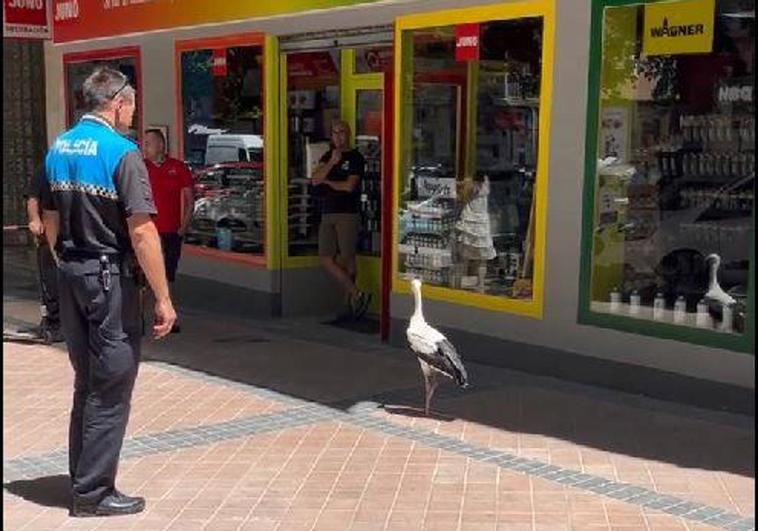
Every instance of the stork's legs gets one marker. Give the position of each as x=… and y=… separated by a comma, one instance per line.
x=430, y=384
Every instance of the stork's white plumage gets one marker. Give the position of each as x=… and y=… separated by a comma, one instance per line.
x=714, y=288
x=436, y=355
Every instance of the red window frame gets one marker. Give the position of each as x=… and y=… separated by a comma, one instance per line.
x=104, y=55
x=215, y=43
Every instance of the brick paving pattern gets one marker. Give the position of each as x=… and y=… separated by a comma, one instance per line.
x=282, y=426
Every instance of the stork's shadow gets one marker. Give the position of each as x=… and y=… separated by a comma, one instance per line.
x=407, y=411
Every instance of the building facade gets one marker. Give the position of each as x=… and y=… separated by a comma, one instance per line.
x=573, y=180
x=24, y=128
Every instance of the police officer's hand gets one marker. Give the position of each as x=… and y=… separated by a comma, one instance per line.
x=36, y=227
x=165, y=317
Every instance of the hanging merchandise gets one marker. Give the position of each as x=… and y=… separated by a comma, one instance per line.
x=634, y=303
x=659, y=307
x=615, y=300
x=680, y=310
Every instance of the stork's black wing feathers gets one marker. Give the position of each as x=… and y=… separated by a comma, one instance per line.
x=446, y=360
x=447, y=350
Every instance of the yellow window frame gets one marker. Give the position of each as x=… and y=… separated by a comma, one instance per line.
x=369, y=279
x=505, y=11
x=271, y=155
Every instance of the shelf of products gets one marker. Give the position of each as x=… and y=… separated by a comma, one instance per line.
x=675, y=207
x=427, y=241
x=369, y=238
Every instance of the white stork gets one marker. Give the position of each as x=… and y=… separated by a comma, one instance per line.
x=436, y=355
x=715, y=292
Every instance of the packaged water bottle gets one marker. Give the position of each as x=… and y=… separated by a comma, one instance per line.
x=702, y=319
x=634, y=303
x=680, y=310
x=726, y=318
x=659, y=306
x=615, y=300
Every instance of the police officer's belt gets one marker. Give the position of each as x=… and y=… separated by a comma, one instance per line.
x=117, y=262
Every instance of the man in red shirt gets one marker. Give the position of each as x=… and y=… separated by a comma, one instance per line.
x=171, y=181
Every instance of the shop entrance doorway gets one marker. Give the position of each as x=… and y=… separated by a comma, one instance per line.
x=348, y=77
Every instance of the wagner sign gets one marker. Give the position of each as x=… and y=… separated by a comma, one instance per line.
x=26, y=19
x=679, y=27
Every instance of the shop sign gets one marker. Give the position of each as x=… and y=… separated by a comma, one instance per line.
x=311, y=65
x=435, y=187
x=87, y=19
x=679, y=27
x=26, y=19
x=200, y=129
x=374, y=60
x=467, y=42
x=614, y=131
x=218, y=62
x=735, y=94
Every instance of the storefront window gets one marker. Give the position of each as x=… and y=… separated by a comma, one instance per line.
x=468, y=155
x=77, y=70
x=674, y=179
x=222, y=122
x=313, y=103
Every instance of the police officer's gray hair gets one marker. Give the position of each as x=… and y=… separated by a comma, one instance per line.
x=105, y=85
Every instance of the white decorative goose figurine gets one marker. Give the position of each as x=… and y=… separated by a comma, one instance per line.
x=436, y=355
x=715, y=292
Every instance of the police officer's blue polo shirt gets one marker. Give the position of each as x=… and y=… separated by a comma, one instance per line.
x=96, y=179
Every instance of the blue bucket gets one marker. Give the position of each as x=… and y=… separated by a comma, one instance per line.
x=224, y=238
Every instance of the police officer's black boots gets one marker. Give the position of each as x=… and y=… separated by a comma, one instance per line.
x=113, y=504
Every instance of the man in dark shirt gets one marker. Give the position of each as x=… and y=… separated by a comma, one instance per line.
x=97, y=208
x=339, y=174
x=48, y=274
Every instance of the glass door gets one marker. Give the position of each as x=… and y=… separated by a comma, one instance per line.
x=368, y=140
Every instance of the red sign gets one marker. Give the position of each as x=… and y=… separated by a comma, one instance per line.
x=26, y=18
x=311, y=65
x=374, y=60
x=218, y=63
x=467, y=42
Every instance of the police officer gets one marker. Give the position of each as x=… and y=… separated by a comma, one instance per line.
x=97, y=208
x=48, y=274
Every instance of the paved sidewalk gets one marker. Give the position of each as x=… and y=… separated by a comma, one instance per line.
x=279, y=425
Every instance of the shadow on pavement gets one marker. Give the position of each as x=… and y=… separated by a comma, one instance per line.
x=48, y=491
x=338, y=368
x=276, y=357
x=415, y=412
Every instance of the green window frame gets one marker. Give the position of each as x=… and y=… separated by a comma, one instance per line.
x=711, y=338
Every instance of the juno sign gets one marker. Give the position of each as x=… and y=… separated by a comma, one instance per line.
x=26, y=19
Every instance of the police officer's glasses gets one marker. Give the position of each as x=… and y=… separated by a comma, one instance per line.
x=126, y=84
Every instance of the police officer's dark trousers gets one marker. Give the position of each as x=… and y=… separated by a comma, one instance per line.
x=48, y=275
x=101, y=325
